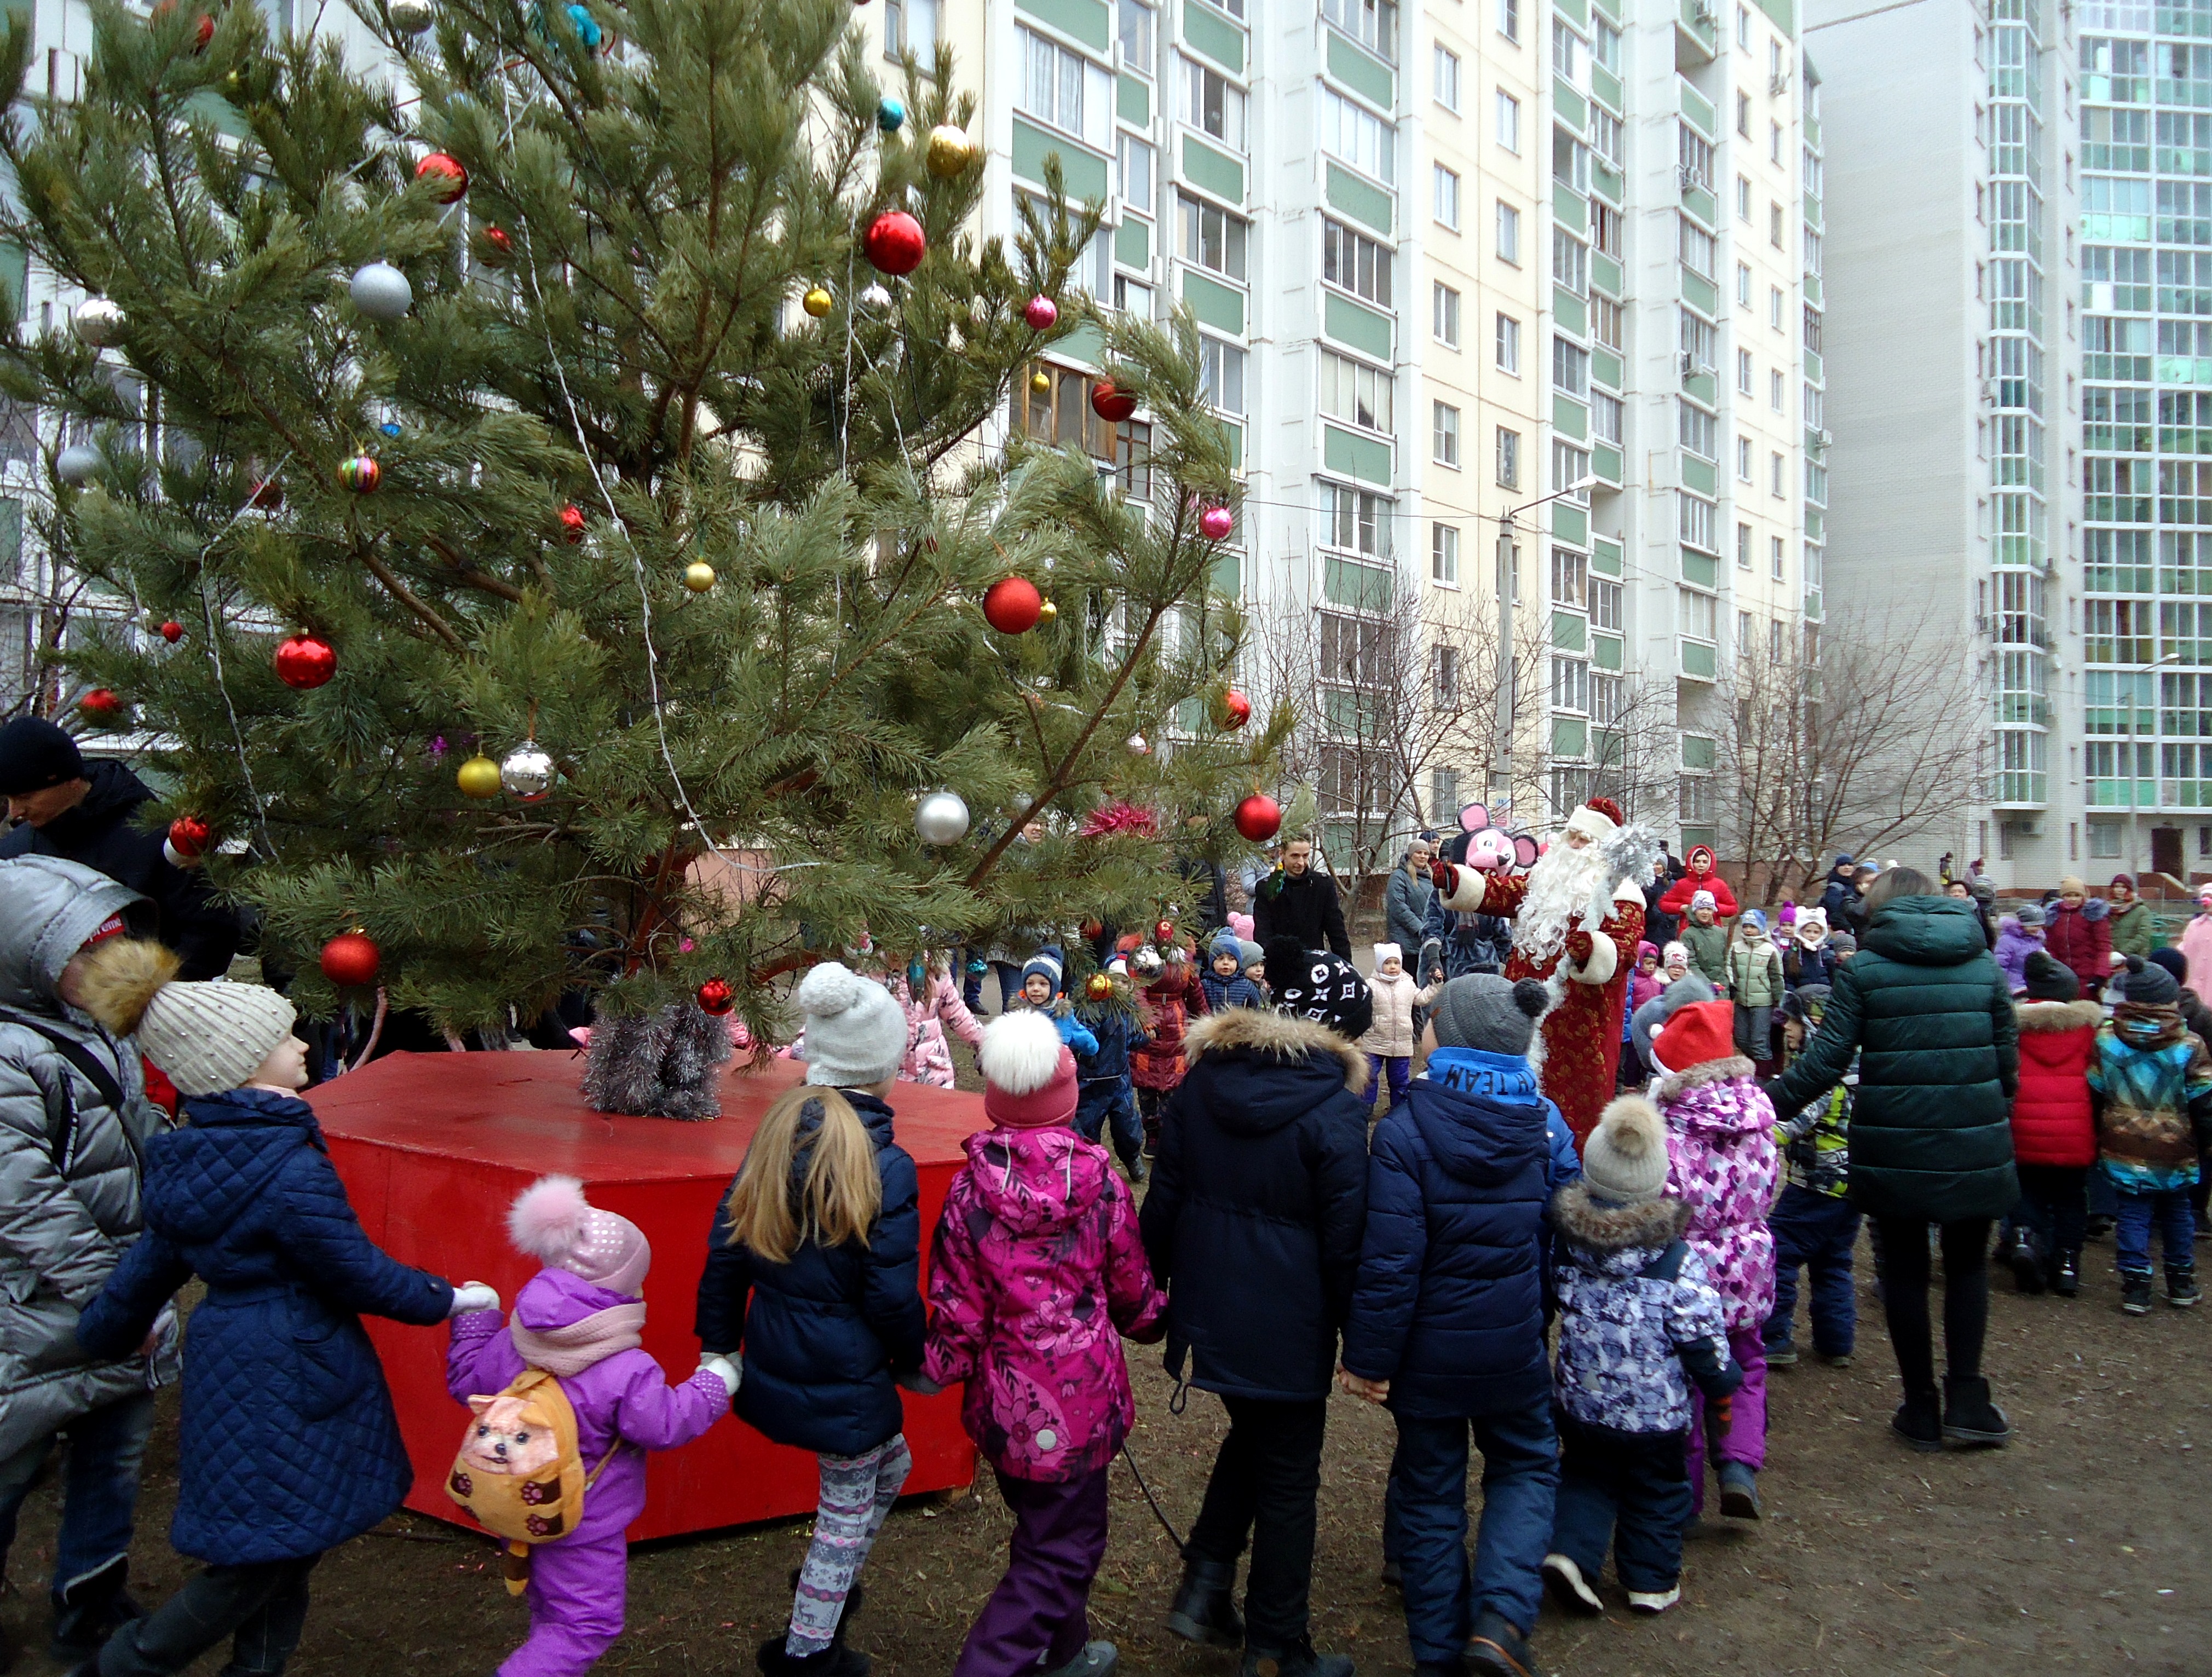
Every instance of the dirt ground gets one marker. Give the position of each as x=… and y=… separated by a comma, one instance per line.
x=2080, y=1549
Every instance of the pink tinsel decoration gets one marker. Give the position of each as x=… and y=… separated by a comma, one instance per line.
x=1111, y=820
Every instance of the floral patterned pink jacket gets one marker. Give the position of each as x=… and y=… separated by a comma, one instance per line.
x=1721, y=1161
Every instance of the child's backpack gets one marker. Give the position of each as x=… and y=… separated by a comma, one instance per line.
x=519, y=1472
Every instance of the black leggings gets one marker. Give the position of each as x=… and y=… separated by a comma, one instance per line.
x=1905, y=1273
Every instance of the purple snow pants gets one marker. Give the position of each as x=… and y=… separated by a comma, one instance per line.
x=1038, y=1619
x=1745, y=1441
x=577, y=1586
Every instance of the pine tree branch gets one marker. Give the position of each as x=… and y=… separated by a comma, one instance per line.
x=408, y=598
x=464, y=572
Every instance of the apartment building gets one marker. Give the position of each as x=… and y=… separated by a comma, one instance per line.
x=1963, y=386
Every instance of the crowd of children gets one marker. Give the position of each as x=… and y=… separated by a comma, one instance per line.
x=1598, y=1327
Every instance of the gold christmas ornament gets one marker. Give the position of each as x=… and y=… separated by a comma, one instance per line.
x=949, y=153
x=1040, y=382
x=1047, y=611
x=817, y=301
x=479, y=777
x=698, y=576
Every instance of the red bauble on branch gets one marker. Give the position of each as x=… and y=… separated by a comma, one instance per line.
x=1233, y=710
x=716, y=997
x=351, y=958
x=1111, y=404
x=102, y=704
x=572, y=523
x=1164, y=931
x=447, y=179
x=172, y=631
x=894, y=243
x=1259, y=818
x=304, y=661
x=187, y=840
x=494, y=247
x=1216, y=522
x=1042, y=313
x=1012, y=605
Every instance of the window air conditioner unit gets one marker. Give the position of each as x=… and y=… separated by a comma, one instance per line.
x=1821, y=439
x=2025, y=826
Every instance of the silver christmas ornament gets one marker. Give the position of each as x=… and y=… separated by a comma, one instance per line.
x=381, y=292
x=409, y=17
x=941, y=819
x=98, y=321
x=1136, y=746
x=75, y=464
x=877, y=296
x=525, y=774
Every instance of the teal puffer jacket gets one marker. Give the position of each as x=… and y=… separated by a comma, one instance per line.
x=1930, y=1016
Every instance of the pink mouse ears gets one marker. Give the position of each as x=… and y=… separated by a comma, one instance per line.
x=1473, y=817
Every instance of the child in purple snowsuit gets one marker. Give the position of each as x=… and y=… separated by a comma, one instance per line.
x=1721, y=1163
x=578, y=1319
x=1036, y=1273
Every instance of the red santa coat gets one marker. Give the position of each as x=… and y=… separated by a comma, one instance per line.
x=1581, y=1032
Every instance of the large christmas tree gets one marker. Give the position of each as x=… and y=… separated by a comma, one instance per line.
x=664, y=460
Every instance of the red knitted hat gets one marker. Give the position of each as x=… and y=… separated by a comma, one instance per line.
x=1029, y=1075
x=1693, y=1035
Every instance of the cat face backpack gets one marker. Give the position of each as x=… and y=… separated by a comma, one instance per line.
x=519, y=1472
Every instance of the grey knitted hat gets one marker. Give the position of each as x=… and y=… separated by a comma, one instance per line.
x=206, y=1036
x=1625, y=1160
x=1489, y=1013
x=856, y=1029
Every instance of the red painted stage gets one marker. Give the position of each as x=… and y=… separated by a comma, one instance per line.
x=433, y=1147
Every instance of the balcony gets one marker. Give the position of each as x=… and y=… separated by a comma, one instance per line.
x=1696, y=33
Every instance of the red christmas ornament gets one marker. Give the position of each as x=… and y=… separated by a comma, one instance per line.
x=1042, y=313
x=1012, y=605
x=1234, y=711
x=1216, y=522
x=1259, y=818
x=101, y=704
x=447, y=179
x=268, y=495
x=1164, y=931
x=572, y=523
x=894, y=243
x=303, y=661
x=1091, y=928
x=172, y=631
x=351, y=958
x=187, y=840
x=715, y=997
x=1111, y=404
x=497, y=246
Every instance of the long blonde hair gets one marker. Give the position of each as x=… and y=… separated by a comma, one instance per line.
x=838, y=1200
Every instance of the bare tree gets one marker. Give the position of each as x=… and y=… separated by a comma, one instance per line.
x=1863, y=736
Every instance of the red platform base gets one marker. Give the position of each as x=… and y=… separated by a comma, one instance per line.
x=433, y=1147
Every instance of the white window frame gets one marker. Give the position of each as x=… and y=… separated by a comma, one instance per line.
x=1444, y=72
x=1443, y=195
x=1508, y=233
x=1508, y=336
x=1443, y=435
x=1443, y=554
x=1508, y=122
x=1443, y=314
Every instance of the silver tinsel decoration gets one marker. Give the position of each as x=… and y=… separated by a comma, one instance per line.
x=660, y=1065
x=381, y=292
x=525, y=774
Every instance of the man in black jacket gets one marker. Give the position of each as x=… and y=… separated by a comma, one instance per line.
x=1295, y=901
x=84, y=812
x=1253, y=1224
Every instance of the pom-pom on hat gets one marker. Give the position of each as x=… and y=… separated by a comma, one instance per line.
x=1597, y=820
x=1489, y=1014
x=1693, y=1036
x=1625, y=1160
x=2174, y=962
x=1677, y=953
x=855, y=1030
x=552, y=1222
x=2048, y=980
x=1029, y=1075
x=204, y=1037
x=2147, y=985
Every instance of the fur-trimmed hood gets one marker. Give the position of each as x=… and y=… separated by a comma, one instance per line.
x=2047, y=1016
x=1268, y=1034
x=1596, y=1229
x=1711, y=1071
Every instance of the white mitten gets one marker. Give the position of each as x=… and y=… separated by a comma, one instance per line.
x=473, y=1296
x=727, y=1369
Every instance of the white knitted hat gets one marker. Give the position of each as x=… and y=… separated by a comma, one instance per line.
x=205, y=1037
x=856, y=1029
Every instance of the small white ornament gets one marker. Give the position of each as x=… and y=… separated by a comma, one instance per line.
x=1136, y=746
x=75, y=464
x=877, y=296
x=381, y=292
x=99, y=321
x=941, y=819
x=525, y=774
x=409, y=17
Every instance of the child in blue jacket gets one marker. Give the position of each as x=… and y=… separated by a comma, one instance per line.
x=1105, y=1098
x=1223, y=979
x=1043, y=980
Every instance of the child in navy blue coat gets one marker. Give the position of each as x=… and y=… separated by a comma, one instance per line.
x=1105, y=1098
x=1447, y=1326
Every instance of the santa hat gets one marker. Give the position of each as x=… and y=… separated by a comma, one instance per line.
x=1703, y=1031
x=1029, y=1075
x=1597, y=820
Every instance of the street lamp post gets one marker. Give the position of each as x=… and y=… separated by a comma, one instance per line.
x=1506, y=569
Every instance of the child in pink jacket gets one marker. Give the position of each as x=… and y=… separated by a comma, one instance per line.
x=580, y=1319
x=1036, y=1273
x=931, y=1001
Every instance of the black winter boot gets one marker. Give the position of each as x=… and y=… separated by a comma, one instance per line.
x=1498, y=1648
x=1919, y=1420
x=2027, y=1264
x=1969, y=1418
x=2134, y=1292
x=1204, y=1607
x=1299, y=1660
x=2066, y=1275
x=2181, y=1289
x=835, y=1660
x=92, y=1609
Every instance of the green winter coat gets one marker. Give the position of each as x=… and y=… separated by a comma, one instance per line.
x=1755, y=973
x=1930, y=1016
x=2135, y=929
x=1708, y=953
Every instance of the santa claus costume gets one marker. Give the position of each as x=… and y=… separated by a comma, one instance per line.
x=1576, y=916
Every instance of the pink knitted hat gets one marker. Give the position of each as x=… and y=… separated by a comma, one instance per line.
x=553, y=1223
x=1029, y=1075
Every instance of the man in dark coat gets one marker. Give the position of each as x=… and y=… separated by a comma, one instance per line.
x=86, y=812
x=1929, y=1017
x=1839, y=897
x=1295, y=901
x=1253, y=1225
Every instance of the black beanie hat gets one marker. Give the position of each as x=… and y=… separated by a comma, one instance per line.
x=34, y=754
x=2049, y=980
x=1319, y=985
x=2148, y=985
x=2174, y=962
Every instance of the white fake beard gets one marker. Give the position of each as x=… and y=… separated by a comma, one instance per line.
x=1565, y=884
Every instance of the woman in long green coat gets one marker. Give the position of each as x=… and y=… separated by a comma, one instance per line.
x=1927, y=1016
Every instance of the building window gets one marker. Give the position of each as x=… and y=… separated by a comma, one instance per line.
x=1695, y=520
x=1570, y=262
x=1570, y=368
x=1701, y=342
x=1356, y=520
x=1774, y=557
x=1444, y=192
x=1509, y=344
x=1443, y=553
x=1605, y=45
x=1569, y=161
x=1355, y=135
x=1566, y=50
x=1221, y=373
x=1694, y=156
x=1354, y=391
x=1778, y=484
x=1508, y=122
x=1213, y=238
x=1443, y=314
x=1743, y=29
x=1355, y=262
x=1570, y=684
x=1605, y=321
x=1700, y=615
x=1065, y=90
x=2104, y=840
x=1443, y=674
x=1133, y=297
x=1696, y=247
x=1743, y=371
x=1743, y=634
x=1743, y=114
x=1445, y=69
x=1509, y=458
x=1509, y=19
x=1212, y=103
x=1372, y=23
x=1774, y=154
x=1605, y=604
x=1570, y=578
x=1608, y=138
x=1699, y=431
x=1571, y=467
x=1608, y=699
x=910, y=26
x=1605, y=228
x=1136, y=173
x=1443, y=792
x=1743, y=547
x=1743, y=200
x=1774, y=225
x=1775, y=303
x=1605, y=417
x=1743, y=284
x=1813, y=328
x=1775, y=388
x=1443, y=428
x=1509, y=218
x=1743, y=466
x=1138, y=35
